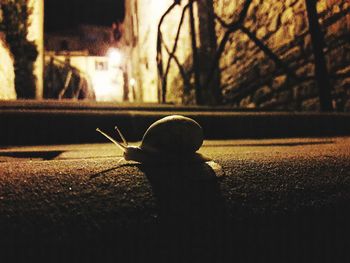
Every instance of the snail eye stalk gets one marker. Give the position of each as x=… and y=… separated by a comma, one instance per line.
x=121, y=146
x=121, y=136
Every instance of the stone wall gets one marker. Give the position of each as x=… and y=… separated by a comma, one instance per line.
x=250, y=79
x=7, y=75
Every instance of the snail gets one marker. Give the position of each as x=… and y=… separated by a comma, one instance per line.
x=172, y=138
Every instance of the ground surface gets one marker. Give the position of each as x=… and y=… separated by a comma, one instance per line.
x=276, y=200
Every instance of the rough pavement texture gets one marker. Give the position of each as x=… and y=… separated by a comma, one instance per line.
x=278, y=200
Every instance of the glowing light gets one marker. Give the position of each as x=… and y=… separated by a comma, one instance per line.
x=132, y=82
x=115, y=56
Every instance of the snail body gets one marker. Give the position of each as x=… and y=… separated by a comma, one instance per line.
x=172, y=138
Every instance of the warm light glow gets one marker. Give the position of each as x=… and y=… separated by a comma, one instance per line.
x=132, y=82
x=115, y=56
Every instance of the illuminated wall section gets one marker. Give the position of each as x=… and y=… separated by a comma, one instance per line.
x=103, y=73
x=36, y=34
x=141, y=20
x=7, y=74
x=250, y=79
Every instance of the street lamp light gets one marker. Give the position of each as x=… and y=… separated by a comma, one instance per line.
x=115, y=56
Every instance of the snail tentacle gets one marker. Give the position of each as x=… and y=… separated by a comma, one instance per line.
x=121, y=146
x=121, y=136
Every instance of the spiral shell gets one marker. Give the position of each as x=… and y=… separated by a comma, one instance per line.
x=173, y=134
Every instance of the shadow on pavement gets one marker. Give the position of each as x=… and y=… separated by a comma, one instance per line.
x=102, y=173
x=191, y=211
x=45, y=155
x=186, y=214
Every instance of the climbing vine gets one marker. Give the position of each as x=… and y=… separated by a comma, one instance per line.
x=14, y=21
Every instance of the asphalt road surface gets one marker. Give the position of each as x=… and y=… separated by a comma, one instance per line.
x=276, y=200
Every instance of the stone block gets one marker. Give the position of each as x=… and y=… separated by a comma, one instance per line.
x=331, y=3
x=252, y=11
x=283, y=36
x=292, y=54
x=245, y=102
x=268, y=104
x=263, y=9
x=260, y=94
x=299, y=6
x=338, y=28
x=300, y=23
x=311, y=105
x=278, y=81
x=345, y=70
x=277, y=8
x=306, y=70
x=261, y=33
x=251, y=45
x=336, y=9
x=274, y=23
x=321, y=6
x=343, y=86
x=250, y=24
x=346, y=5
x=287, y=16
x=337, y=57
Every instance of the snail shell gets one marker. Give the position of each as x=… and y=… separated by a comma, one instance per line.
x=172, y=138
x=173, y=134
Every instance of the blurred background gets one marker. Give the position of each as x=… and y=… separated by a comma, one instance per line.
x=244, y=54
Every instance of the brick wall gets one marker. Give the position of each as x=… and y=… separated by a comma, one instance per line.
x=250, y=79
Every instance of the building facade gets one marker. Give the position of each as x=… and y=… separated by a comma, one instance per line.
x=92, y=52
